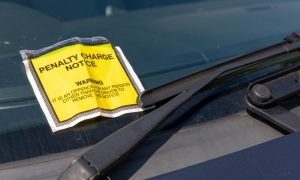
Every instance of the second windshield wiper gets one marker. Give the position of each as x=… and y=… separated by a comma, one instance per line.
x=114, y=148
x=155, y=95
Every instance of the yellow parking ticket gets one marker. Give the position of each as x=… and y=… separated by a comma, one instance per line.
x=81, y=78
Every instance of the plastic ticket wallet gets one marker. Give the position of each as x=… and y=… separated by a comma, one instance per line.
x=81, y=78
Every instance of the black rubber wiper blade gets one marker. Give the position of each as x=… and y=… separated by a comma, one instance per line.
x=116, y=147
x=152, y=96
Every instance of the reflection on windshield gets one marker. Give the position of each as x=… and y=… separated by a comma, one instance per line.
x=33, y=24
x=77, y=9
x=163, y=40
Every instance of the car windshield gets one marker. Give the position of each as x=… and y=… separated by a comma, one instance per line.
x=163, y=40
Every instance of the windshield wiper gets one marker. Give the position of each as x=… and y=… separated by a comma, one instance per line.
x=168, y=90
x=113, y=149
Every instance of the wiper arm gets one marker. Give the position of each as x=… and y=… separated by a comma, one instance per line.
x=114, y=148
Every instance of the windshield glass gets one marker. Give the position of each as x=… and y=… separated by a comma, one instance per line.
x=163, y=40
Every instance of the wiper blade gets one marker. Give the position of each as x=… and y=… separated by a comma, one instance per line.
x=155, y=95
x=114, y=148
